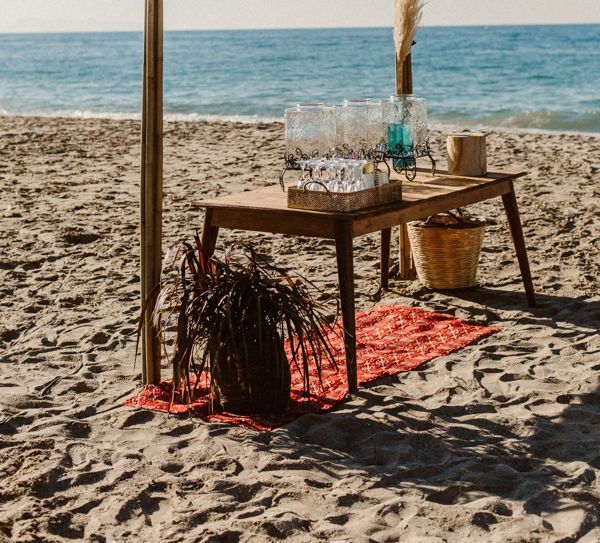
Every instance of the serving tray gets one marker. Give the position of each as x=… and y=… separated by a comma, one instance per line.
x=344, y=202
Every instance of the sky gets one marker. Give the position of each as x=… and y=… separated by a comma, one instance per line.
x=98, y=15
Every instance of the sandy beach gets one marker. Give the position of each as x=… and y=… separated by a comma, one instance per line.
x=498, y=442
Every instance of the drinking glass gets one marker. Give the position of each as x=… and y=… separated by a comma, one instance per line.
x=351, y=179
x=345, y=175
x=315, y=173
x=304, y=176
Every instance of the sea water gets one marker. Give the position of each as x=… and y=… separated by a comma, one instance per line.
x=544, y=77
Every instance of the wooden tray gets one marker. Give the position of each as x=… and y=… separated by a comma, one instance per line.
x=344, y=202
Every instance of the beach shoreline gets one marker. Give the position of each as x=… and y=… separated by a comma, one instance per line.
x=435, y=125
x=497, y=442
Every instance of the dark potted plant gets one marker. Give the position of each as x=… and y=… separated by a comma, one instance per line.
x=231, y=318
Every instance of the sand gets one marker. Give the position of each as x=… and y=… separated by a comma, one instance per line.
x=499, y=442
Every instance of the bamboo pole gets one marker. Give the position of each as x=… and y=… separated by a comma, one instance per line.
x=404, y=85
x=151, y=180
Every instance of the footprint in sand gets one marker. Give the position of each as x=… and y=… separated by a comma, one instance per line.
x=78, y=237
x=139, y=417
x=99, y=338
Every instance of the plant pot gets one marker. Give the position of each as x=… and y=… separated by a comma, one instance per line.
x=234, y=317
x=257, y=381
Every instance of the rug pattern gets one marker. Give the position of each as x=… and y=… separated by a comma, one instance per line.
x=390, y=339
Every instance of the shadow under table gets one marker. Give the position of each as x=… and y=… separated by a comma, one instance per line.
x=265, y=210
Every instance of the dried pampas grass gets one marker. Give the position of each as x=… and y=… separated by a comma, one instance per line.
x=408, y=17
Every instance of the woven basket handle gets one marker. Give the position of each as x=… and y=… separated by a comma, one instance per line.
x=458, y=216
x=315, y=183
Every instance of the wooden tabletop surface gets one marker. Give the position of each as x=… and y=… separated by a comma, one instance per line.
x=424, y=187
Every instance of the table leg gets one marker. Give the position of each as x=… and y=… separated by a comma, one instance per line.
x=406, y=268
x=514, y=223
x=209, y=235
x=345, y=263
x=386, y=242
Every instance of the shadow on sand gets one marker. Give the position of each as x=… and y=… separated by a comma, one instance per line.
x=580, y=311
x=460, y=453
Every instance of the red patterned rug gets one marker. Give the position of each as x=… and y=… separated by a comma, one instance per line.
x=390, y=339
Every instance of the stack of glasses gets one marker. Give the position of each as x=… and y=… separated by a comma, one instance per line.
x=313, y=130
x=339, y=175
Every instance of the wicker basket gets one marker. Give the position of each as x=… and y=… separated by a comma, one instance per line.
x=446, y=250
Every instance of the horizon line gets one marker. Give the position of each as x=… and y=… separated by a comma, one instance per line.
x=108, y=31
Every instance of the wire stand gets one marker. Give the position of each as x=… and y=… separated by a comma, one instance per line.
x=402, y=157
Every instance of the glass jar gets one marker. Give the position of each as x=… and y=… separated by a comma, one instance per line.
x=405, y=118
x=395, y=118
x=418, y=119
x=327, y=138
x=355, y=123
x=338, y=110
x=309, y=130
x=375, y=130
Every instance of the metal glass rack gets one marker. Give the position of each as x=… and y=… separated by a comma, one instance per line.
x=403, y=158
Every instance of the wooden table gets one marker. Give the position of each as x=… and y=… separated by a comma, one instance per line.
x=265, y=210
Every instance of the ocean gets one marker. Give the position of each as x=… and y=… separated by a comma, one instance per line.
x=533, y=77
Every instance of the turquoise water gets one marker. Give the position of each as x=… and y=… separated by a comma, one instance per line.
x=545, y=77
x=399, y=138
x=399, y=134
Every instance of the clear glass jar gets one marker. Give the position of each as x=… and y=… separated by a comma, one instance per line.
x=328, y=131
x=418, y=119
x=338, y=110
x=355, y=123
x=375, y=130
x=309, y=129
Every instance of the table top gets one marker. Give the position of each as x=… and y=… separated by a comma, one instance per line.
x=424, y=188
x=265, y=209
